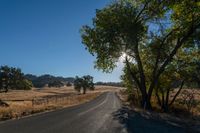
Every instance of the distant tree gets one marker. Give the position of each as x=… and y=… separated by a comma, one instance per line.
x=85, y=82
x=13, y=78
x=78, y=83
x=69, y=84
x=116, y=84
x=23, y=85
x=4, y=78
x=55, y=83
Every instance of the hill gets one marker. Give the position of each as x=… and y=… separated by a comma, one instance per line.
x=43, y=80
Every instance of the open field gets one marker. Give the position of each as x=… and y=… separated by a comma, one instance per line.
x=38, y=100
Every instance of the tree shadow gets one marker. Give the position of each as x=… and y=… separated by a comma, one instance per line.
x=135, y=122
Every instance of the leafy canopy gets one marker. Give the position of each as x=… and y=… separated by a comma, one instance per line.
x=153, y=35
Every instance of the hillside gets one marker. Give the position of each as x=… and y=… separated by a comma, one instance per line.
x=41, y=81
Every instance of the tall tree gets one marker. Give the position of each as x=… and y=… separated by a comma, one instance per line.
x=137, y=28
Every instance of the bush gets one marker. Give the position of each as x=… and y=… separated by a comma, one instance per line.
x=188, y=100
x=56, y=84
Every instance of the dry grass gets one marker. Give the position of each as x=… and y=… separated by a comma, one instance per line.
x=176, y=109
x=19, y=109
x=35, y=93
x=40, y=93
x=51, y=98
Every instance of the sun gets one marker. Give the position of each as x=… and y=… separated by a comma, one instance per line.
x=122, y=58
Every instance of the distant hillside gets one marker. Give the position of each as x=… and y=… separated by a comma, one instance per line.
x=41, y=81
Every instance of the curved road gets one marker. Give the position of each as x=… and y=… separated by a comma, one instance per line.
x=91, y=117
x=101, y=115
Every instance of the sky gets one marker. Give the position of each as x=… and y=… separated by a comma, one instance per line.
x=42, y=37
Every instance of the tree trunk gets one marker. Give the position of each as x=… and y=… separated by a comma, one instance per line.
x=84, y=90
x=178, y=92
x=158, y=98
x=163, y=99
x=167, y=97
x=148, y=103
x=165, y=107
x=145, y=103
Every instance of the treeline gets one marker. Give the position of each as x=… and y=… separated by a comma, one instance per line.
x=116, y=84
x=49, y=80
x=14, y=79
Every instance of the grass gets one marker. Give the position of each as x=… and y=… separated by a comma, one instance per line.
x=20, y=102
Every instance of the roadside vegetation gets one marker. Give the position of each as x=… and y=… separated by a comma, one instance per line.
x=159, y=42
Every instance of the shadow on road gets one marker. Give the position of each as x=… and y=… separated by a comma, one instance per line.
x=135, y=122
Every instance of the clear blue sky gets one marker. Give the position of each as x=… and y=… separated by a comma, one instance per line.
x=42, y=37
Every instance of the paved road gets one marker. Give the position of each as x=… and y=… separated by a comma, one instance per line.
x=92, y=117
x=102, y=115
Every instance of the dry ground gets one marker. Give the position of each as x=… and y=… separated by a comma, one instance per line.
x=188, y=119
x=23, y=103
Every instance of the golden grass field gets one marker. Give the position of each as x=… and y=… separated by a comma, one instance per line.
x=23, y=103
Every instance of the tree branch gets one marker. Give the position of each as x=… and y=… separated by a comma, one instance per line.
x=141, y=11
x=179, y=43
x=140, y=68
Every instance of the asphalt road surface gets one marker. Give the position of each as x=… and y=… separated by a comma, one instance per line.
x=101, y=115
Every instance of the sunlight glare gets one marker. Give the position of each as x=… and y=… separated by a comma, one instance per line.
x=122, y=58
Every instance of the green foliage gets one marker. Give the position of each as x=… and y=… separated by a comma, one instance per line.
x=56, y=83
x=154, y=35
x=85, y=82
x=13, y=78
x=78, y=84
x=24, y=85
x=128, y=81
x=110, y=35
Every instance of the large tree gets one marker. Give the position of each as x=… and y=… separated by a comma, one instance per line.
x=142, y=29
x=85, y=82
x=13, y=78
